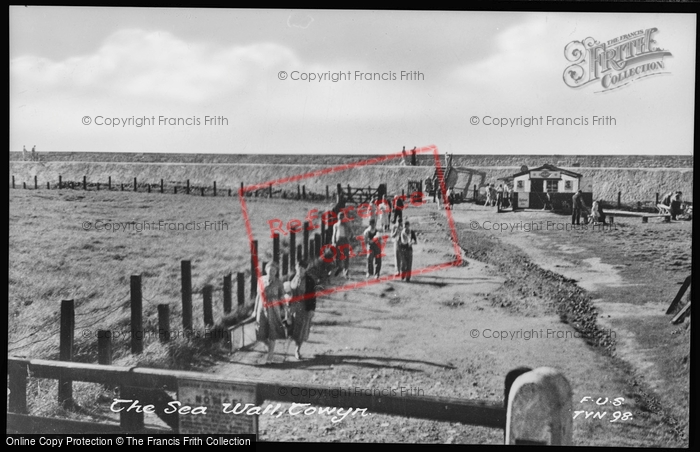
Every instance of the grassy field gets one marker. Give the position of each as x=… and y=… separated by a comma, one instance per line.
x=85, y=246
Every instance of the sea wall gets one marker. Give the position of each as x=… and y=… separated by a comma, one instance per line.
x=635, y=184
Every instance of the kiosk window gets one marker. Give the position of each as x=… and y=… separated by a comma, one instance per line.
x=552, y=186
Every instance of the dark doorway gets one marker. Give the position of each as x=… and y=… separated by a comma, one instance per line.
x=536, y=185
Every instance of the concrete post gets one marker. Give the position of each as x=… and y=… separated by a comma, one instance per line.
x=540, y=409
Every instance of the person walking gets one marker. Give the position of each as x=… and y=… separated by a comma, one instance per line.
x=384, y=212
x=341, y=242
x=407, y=238
x=397, y=207
x=374, y=256
x=396, y=238
x=302, y=311
x=577, y=207
x=499, y=198
x=269, y=313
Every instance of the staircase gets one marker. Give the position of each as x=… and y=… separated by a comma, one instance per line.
x=449, y=175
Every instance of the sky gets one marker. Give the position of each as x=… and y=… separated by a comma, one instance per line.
x=82, y=78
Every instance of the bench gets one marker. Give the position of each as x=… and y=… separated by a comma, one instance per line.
x=666, y=217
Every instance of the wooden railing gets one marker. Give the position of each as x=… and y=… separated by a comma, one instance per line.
x=142, y=383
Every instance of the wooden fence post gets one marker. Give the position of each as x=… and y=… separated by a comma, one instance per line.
x=207, y=308
x=303, y=191
x=97, y=186
x=276, y=249
x=227, y=293
x=187, y=190
x=292, y=249
x=60, y=182
x=135, y=185
x=136, y=315
x=540, y=409
x=84, y=182
x=48, y=185
x=619, y=196
x=253, y=271
x=36, y=183
x=164, y=322
x=24, y=185
x=285, y=264
x=122, y=186
x=109, y=183
x=65, y=387
x=270, y=192
x=328, y=197
x=186, y=272
x=305, y=243
x=162, y=185
x=657, y=200
x=149, y=187
x=214, y=188
x=175, y=190
x=317, y=246
x=13, y=181
x=298, y=191
x=240, y=285
x=229, y=192
x=18, y=388
x=202, y=190
x=300, y=252
x=104, y=347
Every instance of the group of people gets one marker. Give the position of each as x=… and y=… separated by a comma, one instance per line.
x=27, y=157
x=390, y=220
x=404, y=157
x=499, y=197
x=673, y=202
x=277, y=319
x=579, y=210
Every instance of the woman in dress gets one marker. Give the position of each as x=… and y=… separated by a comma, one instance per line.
x=270, y=315
x=302, y=311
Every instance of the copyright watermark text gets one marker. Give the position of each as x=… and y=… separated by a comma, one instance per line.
x=140, y=226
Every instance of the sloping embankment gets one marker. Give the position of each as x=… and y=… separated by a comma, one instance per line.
x=635, y=184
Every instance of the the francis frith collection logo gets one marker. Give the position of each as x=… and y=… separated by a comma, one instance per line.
x=615, y=63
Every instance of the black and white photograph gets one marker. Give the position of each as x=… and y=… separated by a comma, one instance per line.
x=239, y=226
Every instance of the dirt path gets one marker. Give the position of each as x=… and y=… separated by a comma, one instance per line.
x=417, y=337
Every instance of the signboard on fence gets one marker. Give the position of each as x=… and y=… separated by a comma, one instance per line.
x=219, y=417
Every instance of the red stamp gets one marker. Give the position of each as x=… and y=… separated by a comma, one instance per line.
x=313, y=221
